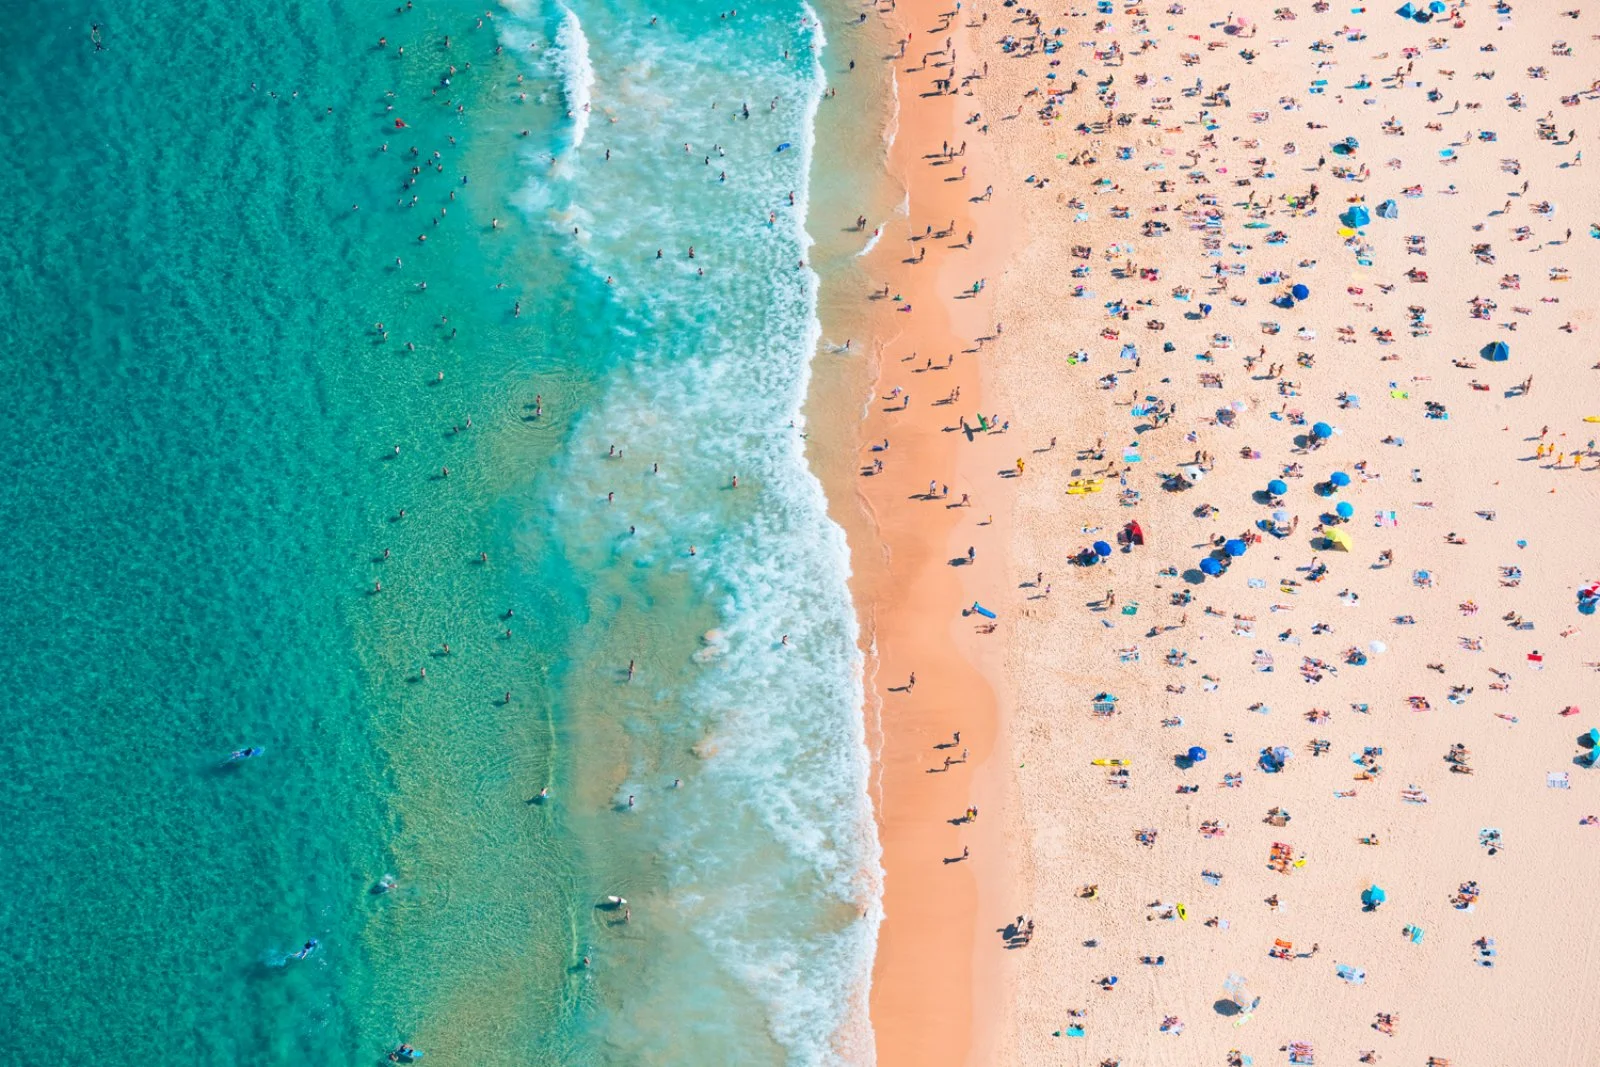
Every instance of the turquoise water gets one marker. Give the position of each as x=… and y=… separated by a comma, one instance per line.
x=215, y=542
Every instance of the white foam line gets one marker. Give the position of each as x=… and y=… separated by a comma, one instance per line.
x=872, y=242
x=577, y=72
x=858, y=1035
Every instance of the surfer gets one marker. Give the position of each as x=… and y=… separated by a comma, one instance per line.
x=306, y=949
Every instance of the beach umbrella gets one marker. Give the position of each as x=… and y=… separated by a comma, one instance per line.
x=1322, y=430
x=1593, y=737
x=1437, y=7
x=1373, y=895
x=1211, y=566
x=1377, y=648
x=1344, y=509
x=1277, y=487
x=1339, y=539
x=1300, y=292
x=1280, y=516
x=1406, y=12
x=1339, y=478
x=1498, y=352
x=1235, y=547
x=1197, y=754
x=1102, y=549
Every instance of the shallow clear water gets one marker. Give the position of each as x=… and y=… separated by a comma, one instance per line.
x=203, y=419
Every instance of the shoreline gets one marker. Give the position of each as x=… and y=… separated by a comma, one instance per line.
x=934, y=996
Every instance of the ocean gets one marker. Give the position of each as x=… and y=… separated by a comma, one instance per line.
x=353, y=416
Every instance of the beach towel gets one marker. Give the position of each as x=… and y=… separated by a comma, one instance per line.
x=1353, y=975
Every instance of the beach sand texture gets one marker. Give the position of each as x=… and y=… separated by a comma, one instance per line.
x=1202, y=142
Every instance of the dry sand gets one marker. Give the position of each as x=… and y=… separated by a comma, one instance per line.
x=947, y=988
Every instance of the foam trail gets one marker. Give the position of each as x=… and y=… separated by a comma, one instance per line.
x=872, y=242
x=571, y=55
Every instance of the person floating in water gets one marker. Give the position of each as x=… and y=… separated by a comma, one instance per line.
x=306, y=949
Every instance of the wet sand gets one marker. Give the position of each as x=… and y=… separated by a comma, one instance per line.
x=935, y=988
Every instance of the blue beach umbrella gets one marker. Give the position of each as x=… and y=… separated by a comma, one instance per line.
x=1210, y=565
x=1277, y=487
x=1498, y=352
x=1372, y=896
x=1344, y=509
x=1235, y=547
x=1322, y=430
x=1197, y=754
x=1300, y=292
x=1102, y=549
x=1339, y=478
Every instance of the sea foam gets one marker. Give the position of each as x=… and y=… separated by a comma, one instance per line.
x=571, y=58
x=774, y=868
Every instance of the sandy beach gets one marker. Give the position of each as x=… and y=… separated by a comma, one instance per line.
x=1252, y=275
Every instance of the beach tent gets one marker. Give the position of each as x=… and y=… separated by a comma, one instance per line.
x=1322, y=430
x=1356, y=216
x=1277, y=487
x=1388, y=210
x=1339, y=539
x=1372, y=896
x=1235, y=547
x=1344, y=509
x=1130, y=352
x=1299, y=292
x=1498, y=352
x=1407, y=12
x=1339, y=478
x=1211, y=566
x=1284, y=301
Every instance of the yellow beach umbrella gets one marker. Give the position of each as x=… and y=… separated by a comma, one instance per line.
x=1338, y=538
